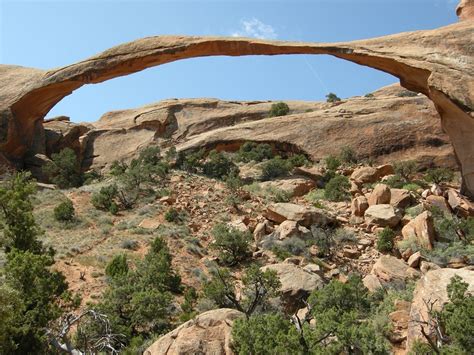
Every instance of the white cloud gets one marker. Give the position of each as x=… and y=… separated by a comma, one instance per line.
x=255, y=28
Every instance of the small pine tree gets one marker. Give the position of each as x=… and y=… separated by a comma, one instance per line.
x=64, y=169
x=331, y=97
x=233, y=245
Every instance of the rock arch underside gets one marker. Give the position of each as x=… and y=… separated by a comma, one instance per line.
x=437, y=63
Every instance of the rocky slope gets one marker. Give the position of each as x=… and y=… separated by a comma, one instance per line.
x=391, y=124
x=437, y=63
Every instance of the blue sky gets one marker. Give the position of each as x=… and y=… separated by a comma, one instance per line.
x=47, y=34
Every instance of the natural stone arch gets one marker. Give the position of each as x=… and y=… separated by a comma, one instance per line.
x=437, y=63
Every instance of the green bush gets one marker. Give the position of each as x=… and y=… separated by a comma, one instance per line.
x=405, y=169
x=369, y=96
x=385, y=240
x=332, y=163
x=190, y=161
x=250, y=151
x=274, y=168
x=174, y=216
x=258, y=287
x=337, y=189
x=64, y=169
x=331, y=97
x=298, y=160
x=138, y=302
x=218, y=166
x=342, y=311
x=105, y=199
x=395, y=181
x=343, y=324
x=64, y=212
x=117, y=267
x=279, y=109
x=348, y=155
x=233, y=245
x=407, y=93
x=439, y=175
x=265, y=334
x=18, y=226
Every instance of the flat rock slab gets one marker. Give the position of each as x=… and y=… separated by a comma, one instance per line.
x=304, y=215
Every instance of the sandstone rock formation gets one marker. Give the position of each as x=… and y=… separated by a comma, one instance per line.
x=208, y=333
x=437, y=63
x=465, y=10
x=382, y=216
x=304, y=215
x=389, y=127
x=296, y=283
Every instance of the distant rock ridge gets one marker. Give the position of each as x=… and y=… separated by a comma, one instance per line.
x=386, y=126
x=437, y=63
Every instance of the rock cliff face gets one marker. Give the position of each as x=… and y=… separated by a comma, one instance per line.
x=388, y=126
x=465, y=10
x=437, y=63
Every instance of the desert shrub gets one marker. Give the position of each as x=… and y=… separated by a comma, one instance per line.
x=298, y=160
x=279, y=109
x=315, y=196
x=395, y=181
x=64, y=212
x=233, y=245
x=275, y=194
x=64, y=169
x=411, y=187
x=332, y=163
x=250, y=151
x=331, y=97
x=265, y=334
x=439, y=175
x=174, y=216
x=344, y=236
x=91, y=176
x=323, y=238
x=129, y=244
x=337, y=188
x=280, y=252
x=171, y=155
x=269, y=193
x=117, y=267
x=343, y=324
x=258, y=287
x=190, y=161
x=341, y=311
x=385, y=240
x=452, y=228
x=218, y=166
x=442, y=253
x=138, y=302
x=106, y=198
x=369, y=96
x=347, y=155
x=405, y=169
x=407, y=93
x=274, y=168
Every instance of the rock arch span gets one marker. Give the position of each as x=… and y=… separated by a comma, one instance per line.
x=437, y=63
